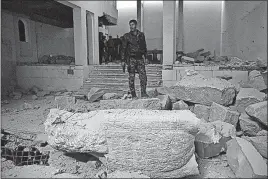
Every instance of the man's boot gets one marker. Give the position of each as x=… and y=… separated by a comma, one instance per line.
x=144, y=94
x=133, y=95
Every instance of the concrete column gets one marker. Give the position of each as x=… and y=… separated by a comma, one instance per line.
x=169, y=33
x=80, y=36
x=180, y=28
x=139, y=15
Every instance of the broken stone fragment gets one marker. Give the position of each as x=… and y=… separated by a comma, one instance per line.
x=222, y=113
x=256, y=80
x=225, y=129
x=239, y=133
x=260, y=143
x=150, y=137
x=151, y=103
x=261, y=62
x=209, y=142
x=246, y=97
x=248, y=126
x=180, y=105
x=165, y=102
x=34, y=97
x=244, y=160
x=259, y=112
x=107, y=96
x=35, y=89
x=167, y=91
x=152, y=92
x=65, y=102
x=202, y=111
x=201, y=90
x=95, y=94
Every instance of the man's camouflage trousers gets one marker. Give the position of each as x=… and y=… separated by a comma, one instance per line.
x=137, y=64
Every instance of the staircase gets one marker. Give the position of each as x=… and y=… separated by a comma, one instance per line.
x=111, y=78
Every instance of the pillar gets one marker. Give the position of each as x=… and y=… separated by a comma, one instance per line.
x=140, y=15
x=169, y=33
x=80, y=36
x=180, y=28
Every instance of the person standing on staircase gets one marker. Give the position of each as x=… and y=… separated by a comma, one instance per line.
x=134, y=52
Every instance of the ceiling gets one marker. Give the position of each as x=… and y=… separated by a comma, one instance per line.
x=45, y=11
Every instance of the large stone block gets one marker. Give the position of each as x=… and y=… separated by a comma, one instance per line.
x=132, y=140
x=202, y=111
x=152, y=103
x=248, y=126
x=222, y=113
x=259, y=112
x=198, y=89
x=244, y=160
x=256, y=80
x=246, y=97
x=108, y=96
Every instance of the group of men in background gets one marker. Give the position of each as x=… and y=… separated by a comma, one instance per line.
x=109, y=50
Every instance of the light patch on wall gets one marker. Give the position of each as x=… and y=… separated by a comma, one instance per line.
x=126, y=4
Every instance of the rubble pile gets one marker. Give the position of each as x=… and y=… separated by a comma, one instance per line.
x=201, y=56
x=161, y=136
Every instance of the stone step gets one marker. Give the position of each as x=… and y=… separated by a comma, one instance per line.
x=100, y=77
x=120, y=70
x=110, y=80
x=119, y=66
x=105, y=85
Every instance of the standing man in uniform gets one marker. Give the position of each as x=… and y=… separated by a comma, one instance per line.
x=134, y=52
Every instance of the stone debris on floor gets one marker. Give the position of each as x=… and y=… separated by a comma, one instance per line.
x=202, y=127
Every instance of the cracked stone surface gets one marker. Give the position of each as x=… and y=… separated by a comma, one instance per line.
x=248, y=126
x=201, y=90
x=246, y=97
x=259, y=112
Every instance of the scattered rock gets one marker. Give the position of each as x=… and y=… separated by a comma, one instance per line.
x=225, y=129
x=64, y=102
x=35, y=89
x=225, y=77
x=34, y=97
x=246, y=97
x=17, y=95
x=146, y=135
x=239, y=133
x=262, y=133
x=180, y=105
x=42, y=93
x=198, y=89
x=152, y=92
x=244, y=160
x=41, y=138
x=256, y=80
x=165, y=102
x=151, y=103
x=167, y=91
x=222, y=113
x=95, y=94
x=75, y=163
x=259, y=112
x=125, y=174
x=260, y=143
x=107, y=96
x=202, y=111
x=26, y=106
x=248, y=126
x=261, y=62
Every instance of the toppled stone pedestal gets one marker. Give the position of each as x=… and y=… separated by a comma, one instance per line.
x=198, y=89
x=256, y=80
x=259, y=112
x=158, y=143
x=246, y=97
x=152, y=103
x=167, y=91
x=165, y=102
x=244, y=160
x=95, y=94
x=180, y=105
